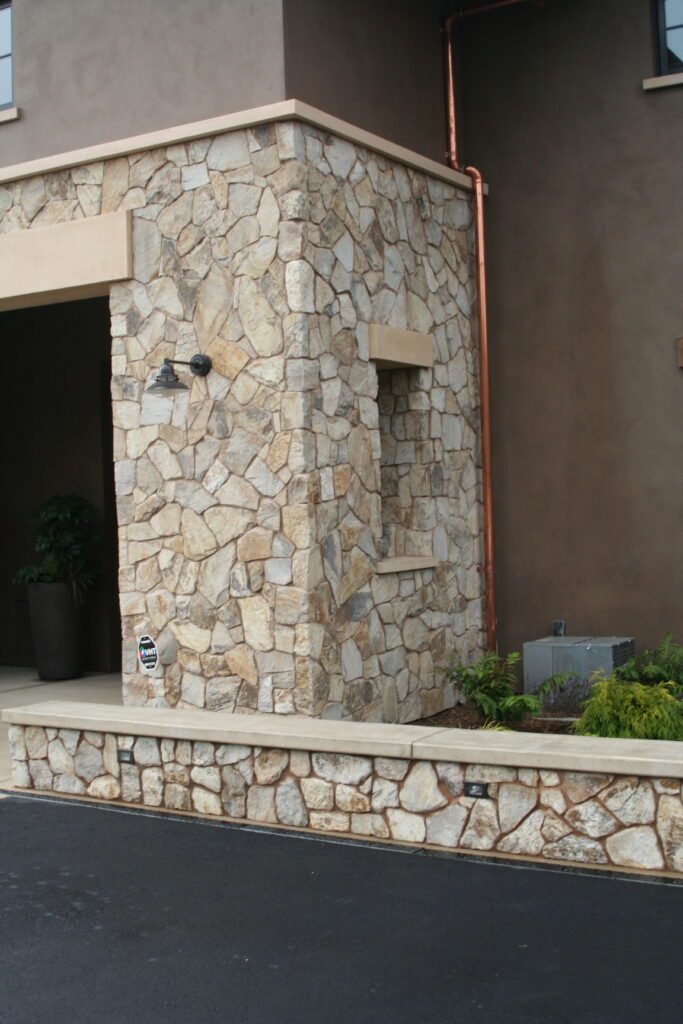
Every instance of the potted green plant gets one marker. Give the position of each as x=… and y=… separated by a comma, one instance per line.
x=58, y=583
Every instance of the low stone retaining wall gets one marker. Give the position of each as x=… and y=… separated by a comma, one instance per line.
x=565, y=799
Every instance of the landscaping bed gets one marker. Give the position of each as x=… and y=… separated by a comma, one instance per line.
x=466, y=716
x=641, y=699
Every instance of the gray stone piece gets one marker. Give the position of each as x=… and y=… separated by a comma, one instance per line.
x=341, y=767
x=482, y=828
x=514, y=803
x=444, y=828
x=592, y=819
x=670, y=830
x=289, y=805
x=527, y=838
x=261, y=804
x=88, y=762
x=630, y=800
x=576, y=848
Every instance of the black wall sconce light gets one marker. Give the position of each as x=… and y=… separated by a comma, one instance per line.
x=167, y=381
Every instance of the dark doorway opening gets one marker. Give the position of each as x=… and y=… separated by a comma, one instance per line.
x=55, y=418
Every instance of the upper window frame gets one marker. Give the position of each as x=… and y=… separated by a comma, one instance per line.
x=9, y=104
x=664, y=65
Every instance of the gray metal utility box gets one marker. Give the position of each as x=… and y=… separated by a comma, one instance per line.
x=581, y=655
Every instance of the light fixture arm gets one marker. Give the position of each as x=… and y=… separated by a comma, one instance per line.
x=200, y=364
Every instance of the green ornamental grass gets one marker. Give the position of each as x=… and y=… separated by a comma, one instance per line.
x=627, y=710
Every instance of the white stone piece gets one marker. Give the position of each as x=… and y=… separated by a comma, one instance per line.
x=318, y=794
x=420, y=791
x=635, y=848
x=514, y=803
x=205, y=802
x=409, y=828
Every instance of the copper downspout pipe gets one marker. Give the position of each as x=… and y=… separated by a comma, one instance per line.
x=482, y=315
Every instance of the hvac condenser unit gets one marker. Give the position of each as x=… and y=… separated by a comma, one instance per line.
x=580, y=655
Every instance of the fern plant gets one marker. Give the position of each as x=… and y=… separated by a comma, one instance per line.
x=490, y=684
x=619, y=708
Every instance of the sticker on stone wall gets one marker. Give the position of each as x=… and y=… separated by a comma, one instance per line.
x=148, y=654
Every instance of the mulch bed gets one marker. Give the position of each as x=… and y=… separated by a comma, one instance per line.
x=466, y=716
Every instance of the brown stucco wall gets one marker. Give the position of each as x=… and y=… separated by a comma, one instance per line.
x=376, y=64
x=93, y=72
x=90, y=73
x=584, y=228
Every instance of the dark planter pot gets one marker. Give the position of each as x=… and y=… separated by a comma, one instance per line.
x=57, y=631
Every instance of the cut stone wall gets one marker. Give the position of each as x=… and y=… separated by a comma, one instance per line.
x=585, y=818
x=250, y=508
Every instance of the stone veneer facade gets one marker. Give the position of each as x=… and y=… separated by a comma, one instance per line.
x=586, y=818
x=252, y=509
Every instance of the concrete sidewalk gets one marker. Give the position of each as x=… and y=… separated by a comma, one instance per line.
x=19, y=686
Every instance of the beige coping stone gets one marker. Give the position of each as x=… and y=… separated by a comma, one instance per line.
x=284, y=731
x=537, y=750
x=284, y=110
x=75, y=259
x=405, y=563
x=396, y=347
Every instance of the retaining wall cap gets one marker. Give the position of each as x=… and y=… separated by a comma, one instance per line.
x=285, y=731
x=471, y=746
x=571, y=753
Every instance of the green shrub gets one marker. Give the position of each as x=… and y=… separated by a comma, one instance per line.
x=663, y=664
x=65, y=541
x=631, y=710
x=491, y=682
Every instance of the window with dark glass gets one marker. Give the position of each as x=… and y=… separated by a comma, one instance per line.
x=670, y=27
x=5, y=55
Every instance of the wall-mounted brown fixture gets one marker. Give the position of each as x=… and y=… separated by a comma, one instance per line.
x=167, y=381
x=679, y=347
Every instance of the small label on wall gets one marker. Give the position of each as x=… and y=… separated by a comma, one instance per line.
x=148, y=654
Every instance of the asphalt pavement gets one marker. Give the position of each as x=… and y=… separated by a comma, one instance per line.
x=132, y=917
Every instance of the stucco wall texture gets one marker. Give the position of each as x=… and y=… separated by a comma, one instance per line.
x=96, y=72
x=584, y=223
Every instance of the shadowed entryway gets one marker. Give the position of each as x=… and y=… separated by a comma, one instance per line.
x=55, y=421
